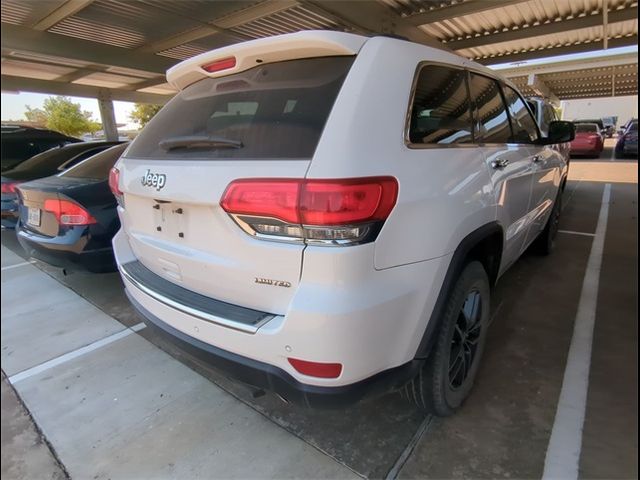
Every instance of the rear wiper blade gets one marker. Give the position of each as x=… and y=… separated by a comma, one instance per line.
x=199, y=141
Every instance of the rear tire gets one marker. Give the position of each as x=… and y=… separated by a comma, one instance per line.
x=446, y=379
x=545, y=242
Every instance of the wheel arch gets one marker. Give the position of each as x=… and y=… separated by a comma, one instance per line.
x=485, y=245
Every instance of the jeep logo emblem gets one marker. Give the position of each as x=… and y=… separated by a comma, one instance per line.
x=157, y=180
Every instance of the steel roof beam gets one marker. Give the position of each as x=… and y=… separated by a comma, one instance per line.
x=458, y=10
x=21, y=39
x=221, y=25
x=535, y=83
x=23, y=84
x=544, y=29
x=564, y=50
x=622, y=59
x=67, y=9
x=373, y=17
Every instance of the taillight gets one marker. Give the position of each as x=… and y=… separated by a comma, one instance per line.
x=315, y=369
x=336, y=212
x=114, y=184
x=68, y=213
x=222, y=64
x=9, y=187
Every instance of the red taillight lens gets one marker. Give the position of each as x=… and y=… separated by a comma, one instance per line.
x=114, y=181
x=68, y=213
x=9, y=187
x=315, y=369
x=336, y=211
x=343, y=202
x=263, y=198
x=222, y=64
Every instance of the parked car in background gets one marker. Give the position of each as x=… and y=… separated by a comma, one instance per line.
x=545, y=114
x=68, y=220
x=293, y=220
x=598, y=121
x=52, y=161
x=588, y=140
x=627, y=143
x=21, y=143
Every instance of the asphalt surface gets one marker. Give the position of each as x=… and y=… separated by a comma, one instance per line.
x=503, y=429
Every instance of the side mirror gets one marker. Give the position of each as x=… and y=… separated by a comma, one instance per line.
x=559, y=132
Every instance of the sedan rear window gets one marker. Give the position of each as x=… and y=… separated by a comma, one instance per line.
x=586, y=128
x=275, y=110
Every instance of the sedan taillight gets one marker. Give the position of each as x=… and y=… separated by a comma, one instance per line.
x=336, y=212
x=9, y=187
x=68, y=213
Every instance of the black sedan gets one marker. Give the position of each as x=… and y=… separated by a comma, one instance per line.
x=47, y=163
x=69, y=220
x=628, y=140
x=20, y=143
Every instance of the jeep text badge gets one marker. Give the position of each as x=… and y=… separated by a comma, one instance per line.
x=157, y=180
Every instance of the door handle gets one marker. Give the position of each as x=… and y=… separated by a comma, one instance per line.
x=499, y=163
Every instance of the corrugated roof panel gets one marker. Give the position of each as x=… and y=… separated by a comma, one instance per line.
x=20, y=68
x=288, y=21
x=200, y=10
x=21, y=12
x=182, y=52
x=98, y=32
x=107, y=80
x=411, y=7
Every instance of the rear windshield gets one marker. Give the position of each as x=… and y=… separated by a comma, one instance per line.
x=586, y=128
x=275, y=110
x=97, y=166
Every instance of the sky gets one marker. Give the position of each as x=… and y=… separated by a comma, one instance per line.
x=13, y=105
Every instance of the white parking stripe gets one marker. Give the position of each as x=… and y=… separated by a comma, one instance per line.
x=22, y=264
x=54, y=362
x=572, y=232
x=563, y=452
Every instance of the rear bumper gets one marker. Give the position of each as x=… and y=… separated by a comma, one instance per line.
x=268, y=377
x=67, y=252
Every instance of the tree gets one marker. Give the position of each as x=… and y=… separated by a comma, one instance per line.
x=64, y=116
x=143, y=112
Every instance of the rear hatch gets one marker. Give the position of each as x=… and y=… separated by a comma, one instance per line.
x=264, y=122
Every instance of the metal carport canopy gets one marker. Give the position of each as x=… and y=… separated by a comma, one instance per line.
x=119, y=50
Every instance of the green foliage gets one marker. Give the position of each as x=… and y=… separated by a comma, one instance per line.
x=142, y=113
x=64, y=116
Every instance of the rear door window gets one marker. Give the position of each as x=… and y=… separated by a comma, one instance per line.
x=97, y=166
x=522, y=123
x=440, y=111
x=491, y=115
x=275, y=110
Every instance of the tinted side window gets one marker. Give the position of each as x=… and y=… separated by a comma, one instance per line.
x=440, y=111
x=492, y=119
x=522, y=123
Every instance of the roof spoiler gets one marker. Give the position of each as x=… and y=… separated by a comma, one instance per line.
x=243, y=56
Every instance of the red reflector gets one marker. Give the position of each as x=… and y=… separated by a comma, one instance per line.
x=313, y=202
x=68, y=213
x=223, y=64
x=9, y=187
x=315, y=369
x=114, y=180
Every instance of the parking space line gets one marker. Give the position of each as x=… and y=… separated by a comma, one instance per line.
x=563, y=452
x=54, y=362
x=572, y=232
x=22, y=264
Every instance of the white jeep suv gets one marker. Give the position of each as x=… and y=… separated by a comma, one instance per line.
x=323, y=215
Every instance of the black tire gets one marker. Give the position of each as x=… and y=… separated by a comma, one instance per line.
x=545, y=242
x=434, y=390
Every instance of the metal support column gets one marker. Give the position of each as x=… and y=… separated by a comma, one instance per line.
x=107, y=115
